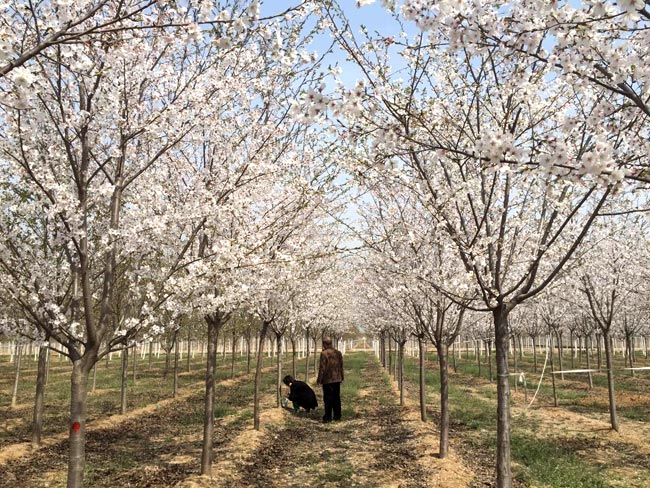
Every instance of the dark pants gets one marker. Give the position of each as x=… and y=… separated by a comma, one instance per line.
x=332, y=399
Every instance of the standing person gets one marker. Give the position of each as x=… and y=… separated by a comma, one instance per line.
x=330, y=375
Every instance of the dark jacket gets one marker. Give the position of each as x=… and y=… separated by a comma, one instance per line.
x=331, y=367
x=303, y=395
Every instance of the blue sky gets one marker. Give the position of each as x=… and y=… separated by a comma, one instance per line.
x=374, y=17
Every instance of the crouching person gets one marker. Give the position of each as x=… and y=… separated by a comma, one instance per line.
x=300, y=394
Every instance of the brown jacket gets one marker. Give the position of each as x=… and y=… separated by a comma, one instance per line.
x=331, y=367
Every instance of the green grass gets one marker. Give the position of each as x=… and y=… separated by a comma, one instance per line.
x=551, y=463
x=159, y=436
x=150, y=387
x=538, y=462
x=353, y=364
x=340, y=473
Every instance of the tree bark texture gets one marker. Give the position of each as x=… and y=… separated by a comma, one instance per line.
x=258, y=376
x=18, y=358
x=135, y=363
x=400, y=371
x=233, y=351
x=443, y=351
x=278, y=383
x=124, y=379
x=208, y=420
x=307, y=341
x=587, y=347
x=423, y=404
x=613, y=418
x=37, y=420
x=176, y=351
x=504, y=474
x=77, y=427
x=550, y=338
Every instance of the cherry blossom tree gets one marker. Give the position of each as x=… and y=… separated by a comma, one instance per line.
x=611, y=282
x=35, y=29
x=99, y=141
x=597, y=45
x=410, y=266
x=480, y=137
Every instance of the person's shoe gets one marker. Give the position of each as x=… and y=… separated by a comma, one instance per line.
x=337, y=419
x=326, y=420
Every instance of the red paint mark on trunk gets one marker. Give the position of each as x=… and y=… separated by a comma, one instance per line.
x=76, y=426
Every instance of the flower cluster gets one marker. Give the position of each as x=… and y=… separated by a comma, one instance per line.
x=312, y=105
x=497, y=146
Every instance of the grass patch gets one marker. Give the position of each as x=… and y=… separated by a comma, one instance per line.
x=539, y=462
x=341, y=472
x=550, y=463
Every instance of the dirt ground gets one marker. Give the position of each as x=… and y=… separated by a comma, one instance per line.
x=378, y=443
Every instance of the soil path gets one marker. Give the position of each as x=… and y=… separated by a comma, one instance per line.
x=375, y=445
x=157, y=445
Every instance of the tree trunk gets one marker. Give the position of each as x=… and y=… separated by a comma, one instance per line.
x=443, y=352
x=77, y=427
x=188, y=365
x=150, y=358
x=582, y=346
x=400, y=371
x=560, y=351
x=396, y=363
x=293, y=355
x=135, y=362
x=176, y=351
x=610, y=382
x=630, y=353
x=233, y=350
x=37, y=422
x=573, y=350
x=553, y=369
x=94, y=378
x=47, y=362
x=478, y=356
x=307, y=341
x=214, y=324
x=504, y=475
x=488, y=347
x=248, y=354
x=258, y=376
x=587, y=346
x=535, y=353
x=390, y=356
x=423, y=404
x=599, y=351
x=315, y=356
x=167, y=361
x=514, y=358
x=124, y=379
x=18, y=358
x=453, y=355
x=278, y=383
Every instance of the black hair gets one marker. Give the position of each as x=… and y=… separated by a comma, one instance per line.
x=288, y=379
